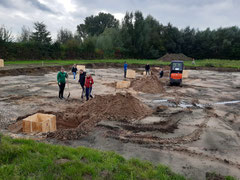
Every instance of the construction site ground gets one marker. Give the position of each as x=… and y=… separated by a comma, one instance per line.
x=193, y=128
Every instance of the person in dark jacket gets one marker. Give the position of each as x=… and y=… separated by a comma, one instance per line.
x=82, y=77
x=88, y=85
x=161, y=73
x=147, y=68
x=74, y=71
x=61, y=78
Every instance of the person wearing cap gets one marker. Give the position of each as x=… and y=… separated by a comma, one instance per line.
x=61, y=78
x=74, y=71
x=88, y=85
x=81, y=80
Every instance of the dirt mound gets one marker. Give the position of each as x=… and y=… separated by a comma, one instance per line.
x=78, y=121
x=148, y=84
x=171, y=57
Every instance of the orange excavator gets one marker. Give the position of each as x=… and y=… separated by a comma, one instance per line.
x=176, y=70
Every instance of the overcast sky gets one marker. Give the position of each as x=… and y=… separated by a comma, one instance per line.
x=69, y=13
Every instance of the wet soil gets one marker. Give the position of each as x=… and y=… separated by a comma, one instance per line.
x=77, y=121
x=185, y=130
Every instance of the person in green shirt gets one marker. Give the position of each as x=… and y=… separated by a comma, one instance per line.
x=61, y=78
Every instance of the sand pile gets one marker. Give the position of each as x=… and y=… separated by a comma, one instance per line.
x=148, y=84
x=78, y=121
x=171, y=57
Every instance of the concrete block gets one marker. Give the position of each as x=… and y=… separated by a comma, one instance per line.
x=39, y=123
x=81, y=67
x=185, y=74
x=1, y=63
x=123, y=84
x=131, y=74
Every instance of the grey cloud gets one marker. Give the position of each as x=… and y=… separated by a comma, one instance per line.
x=40, y=6
x=6, y=3
x=181, y=13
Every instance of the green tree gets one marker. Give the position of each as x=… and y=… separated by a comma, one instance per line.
x=109, y=42
x=64, y=35
x=25, y=35
x=188, y=37
x=153, y=46
x=95, y=25
x=138, y=35
x=127, y=33
x=172, y=39
x=5, y=35
x=41, y=35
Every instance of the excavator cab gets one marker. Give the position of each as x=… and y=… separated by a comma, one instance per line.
x=176, y=70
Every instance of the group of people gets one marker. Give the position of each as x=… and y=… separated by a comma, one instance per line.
x=85, y=80
x=147, y=69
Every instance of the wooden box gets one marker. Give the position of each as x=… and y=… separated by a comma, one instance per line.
x=185, y=74
x=123, y=84
x=1, y=63
x=81, y=67
x=39, y=123
x=131, y=74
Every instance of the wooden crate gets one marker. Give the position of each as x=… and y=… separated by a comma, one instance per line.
x=123, y=84
x=39, y=123
x=185, y=74
x=1, y=63
x=131, y=74
x=82, y=67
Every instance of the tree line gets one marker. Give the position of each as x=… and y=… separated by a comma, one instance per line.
x=103, y=36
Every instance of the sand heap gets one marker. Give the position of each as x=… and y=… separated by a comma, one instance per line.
x=78, y=121
x=171, y=57
x=148, y=84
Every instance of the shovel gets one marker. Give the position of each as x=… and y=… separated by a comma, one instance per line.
x=68, y=89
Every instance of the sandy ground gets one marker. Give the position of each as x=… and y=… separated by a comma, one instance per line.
x=196, y=132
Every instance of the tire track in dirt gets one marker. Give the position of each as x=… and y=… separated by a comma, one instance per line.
x=128, y=136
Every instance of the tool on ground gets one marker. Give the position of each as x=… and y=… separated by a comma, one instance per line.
x=68, y=89
x=176, y=71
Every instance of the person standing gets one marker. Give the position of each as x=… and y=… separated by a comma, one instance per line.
x=82, y=77
x=88, y=85
x=147, y=68
x=74, y=71
x=125, y=69
x=193, y=62
x=161, y=73
x=61, y=78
